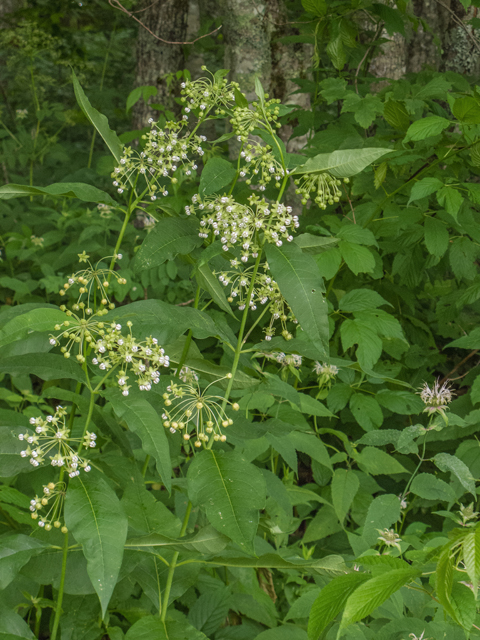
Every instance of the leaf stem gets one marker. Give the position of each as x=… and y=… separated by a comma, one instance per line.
x=188, y=339
x=58, y=608
x=173, y=564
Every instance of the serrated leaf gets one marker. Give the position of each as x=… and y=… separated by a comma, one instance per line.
x=424, y=188
x=331, y=601
x=168, y=238
x=426, y=128
x=345, y=485
x=378, y=462
x=447, y=462
x=366, y=411
x=231, y=490
x=373, y=593
x=217, y=174
x=467, y=110
x=302, y=286
x=358, y=259
x=317, y=7
x=84, y=192
x=98, y=120
x=451, y=199
x=430, y=487
x=436, y=236
x=342, y=163
x=380, y=175
x=382, y=513
x=396, y=115
x=95, y=517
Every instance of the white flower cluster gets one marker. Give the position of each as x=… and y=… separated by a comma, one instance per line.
x=143, y=359
x=53, y=436
x=237, y=225
x=51, y=492
x=323, y=184
x=186, y=374
x=165, y=151
x=188, y=409
x=208, y=93
x=436, y=398
x=286, y=360
x=246, y=119
x=260, y=161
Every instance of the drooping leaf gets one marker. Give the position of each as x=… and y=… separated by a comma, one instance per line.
x=42, y=319
x=169, y=237
x=231, y=490
x=84, y=192
x=302, y=286
x=95, y=517
x=342, y=163
x=98, y=120
x=209, y=282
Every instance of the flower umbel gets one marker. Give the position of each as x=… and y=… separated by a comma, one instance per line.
x=53, y=436
x=92, y=279
x=53, y=497
x=188, y=409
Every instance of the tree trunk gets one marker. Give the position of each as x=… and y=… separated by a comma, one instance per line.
x=167, y=19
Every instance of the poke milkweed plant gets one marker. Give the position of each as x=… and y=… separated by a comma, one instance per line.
x=163, y=495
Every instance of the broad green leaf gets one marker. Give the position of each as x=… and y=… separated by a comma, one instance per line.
x=424, y=188
x=467, y=110
x=332, y=600
x=324, y=524
x=447, y=462
x=359, y=259
x=313, y=407
x=342, y=163
x=11, y=462
x=336, y=52
x=373, y=593
x=302, y=606
x=284, y=632
x=84, y=192
x=309, y=243
x=436, y=236
x=152, y=628
x=464, y=604
x=231, y=490
x=98, y=120
x=206, y=541
x=142, y=419
x=367, y=411
x=365, y=109
x=95, y=517
x=329, y=262
x=210, y=610
x=391, y=16
x=15, y=551
x=471, y=556
x=444, y=581
x=311, y=445
x=451, y=199
x=144, y=92
x=216, y=175
x=405, y=403
x=426, y=127
x=345, y=485
x=463, y=253
x=317, y=7
x=430, y=487
x=361, y=299
x=396, y=115
x=211, y=284
x=356, y=234
x=382, y=513
x=47, y=366
x=302, y=286
x=36, y=320
x=378, y=462
x=13, y=626
x=169, y=237
x=369, y=344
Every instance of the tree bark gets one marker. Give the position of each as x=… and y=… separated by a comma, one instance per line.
x=155, y=60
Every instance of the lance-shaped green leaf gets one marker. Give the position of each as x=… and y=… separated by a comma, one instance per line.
x=210, y=283
x=168, y=238
x=206, y=541
x=342, y=163
x=444, y=581
x=231, y=490
x=471, y=556
x=84, y=192
x=302, y=287
x=15, y=552
x=142, y=419
x=95, y=517
x=370, y=595
x=217, y=174
x=332, y=600
x=447, y=462
x=47, y=366
x=98, y=120
x=13, y=626
x=42, y=319
x=345, y=485
x=330, y=565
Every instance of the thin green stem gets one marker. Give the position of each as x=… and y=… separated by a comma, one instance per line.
x=58, y=608
x=145, y=465
x=128, y=213
x=173, y=564
x=87, y=421
x=422, y=458
x=188, y=340
x=38, y=614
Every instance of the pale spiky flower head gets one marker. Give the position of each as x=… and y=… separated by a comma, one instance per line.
x=90, y=280
x=467, y=513
x=194, y=412
x=328, y=371
x=436, y=398
x=47, y=509
x=140, y=358
x=390, y=538
x=52, y=436
x=186, y=375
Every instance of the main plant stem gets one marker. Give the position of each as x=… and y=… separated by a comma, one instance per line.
x=58, y=608
x=173, y=564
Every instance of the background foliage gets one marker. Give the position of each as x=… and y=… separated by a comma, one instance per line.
x=336, y=508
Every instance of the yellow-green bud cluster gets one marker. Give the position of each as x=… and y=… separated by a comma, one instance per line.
x=93, y=279
x=260, y=161
x=237, y=225
x=323, y=184
x=77, y=331
x=246, y=119
x=195, y=413
x=208, y=93
x=53, y=436
x=165, y=151
x=142, y=359
x=53, y=496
